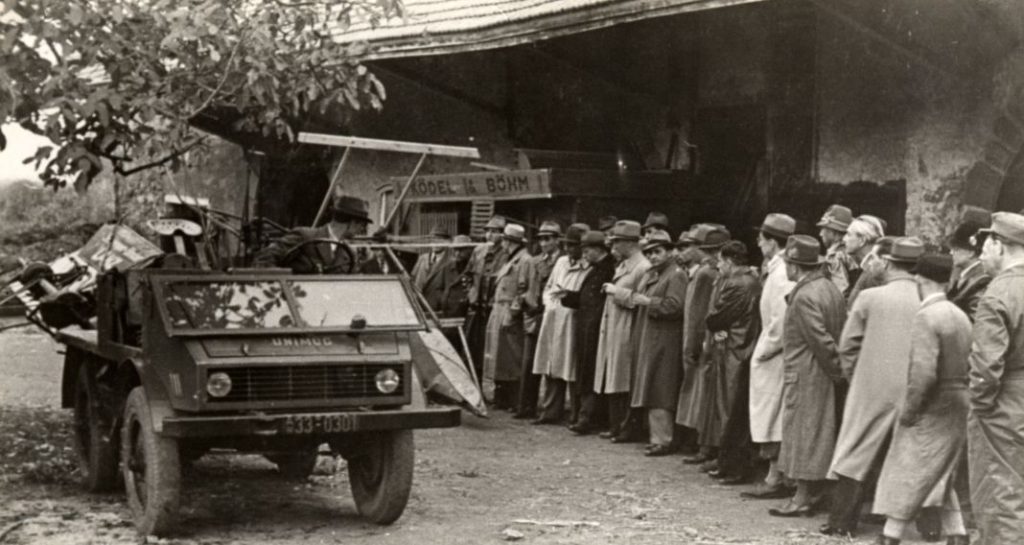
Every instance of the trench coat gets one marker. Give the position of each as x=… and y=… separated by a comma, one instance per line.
x=733, y=326
x=690, y=409
x=503, y=351
x=659, y=358
x=766, y=364
x=932, y=428
x=615, y=348
x=533, y=277
x=995, y=427
x=875, y=352
x=966, y=288
x=325, y=255
x=589, y=301
x=815, y=313
x=556, y=344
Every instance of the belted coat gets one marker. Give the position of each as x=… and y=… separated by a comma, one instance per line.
x=556, y=342
x=616, y=348
x=503, y=352
x=659, y=358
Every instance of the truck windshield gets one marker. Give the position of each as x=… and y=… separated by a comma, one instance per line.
x=265, y=304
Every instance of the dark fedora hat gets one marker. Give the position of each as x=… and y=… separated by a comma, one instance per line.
x=550, y=228
x=963, y=236
x=593, y=239
x=351, y=208
x=778, y=225
x=606, y=223
x=657, y=239
x=803, y=250
x=575, y=232
x=837, y=218
x=935, y=267
x=656, y=219
x=906, y=250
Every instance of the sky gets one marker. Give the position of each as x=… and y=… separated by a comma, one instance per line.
x=21, y=145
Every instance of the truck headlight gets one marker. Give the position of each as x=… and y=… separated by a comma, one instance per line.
x=387, y=381
x=218, y=384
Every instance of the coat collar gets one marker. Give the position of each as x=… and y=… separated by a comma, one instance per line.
x=816, y=275
x=628, y=265
x=932, y=299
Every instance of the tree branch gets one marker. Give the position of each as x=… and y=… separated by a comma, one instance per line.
x=162, y=161
x=220, y=84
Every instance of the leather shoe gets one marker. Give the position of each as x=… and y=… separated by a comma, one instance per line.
x=791, y=510
x=731, y=480
x=708, y=466
x=830, y=530
x=659, y=450
x=581, y=429
x=886, y=540
x=625, y=438
x=765, y=492
x=698, y=458
x=958, y=540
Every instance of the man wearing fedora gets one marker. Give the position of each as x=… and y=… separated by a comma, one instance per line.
x=815, y=311
x=616, y=349
x=970, y=278
x=533, y=276
x=766, y=363
x=446, y=287
x=588, y=301
x=349, y=218
x=692, y=408
x=833, y=226
x=656, y=221
x=930, y=435
x=555, y=357
x=485, y=261
x=874, y=352
x=503, y=351
x=431, y=261
x=995, y=433
x=659, y=296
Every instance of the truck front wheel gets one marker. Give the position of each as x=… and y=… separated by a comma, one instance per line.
x=151, y=468
x=94, y=437
x=380, y=473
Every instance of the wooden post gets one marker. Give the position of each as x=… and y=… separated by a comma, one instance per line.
x=330, y=188
x=405, y=190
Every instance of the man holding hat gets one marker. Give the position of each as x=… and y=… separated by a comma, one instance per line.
x=555, y=357
x=766, y=363
x=929, y=437
x=616, y=350
x=588, y=300
x=691, y=410
x=874, y=351
x=503, y=351
x=833, y=225
x=349, y=217
x=659, y=364
x=533, y=276
x=815, y=312
x=995, y=434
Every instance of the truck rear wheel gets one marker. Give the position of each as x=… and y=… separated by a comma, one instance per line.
x=151, y=468
x=380, y=474
x=94, y=438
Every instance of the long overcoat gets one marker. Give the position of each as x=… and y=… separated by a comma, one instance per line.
x=733, y=326
x=556, y=344
x=813, y=324
x=589, y=303
x=995, y=427
x=503, y=352
x=690, y=409
x=616, y=349
x=918, y=469
x=659, y=358
x=767, y=363
x=874, y=351
x=533, y=278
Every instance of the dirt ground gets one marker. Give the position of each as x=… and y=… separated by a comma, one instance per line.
x=488, y=481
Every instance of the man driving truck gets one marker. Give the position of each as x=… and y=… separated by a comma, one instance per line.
x=320, y=249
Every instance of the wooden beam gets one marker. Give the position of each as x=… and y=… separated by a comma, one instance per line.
x=387, y=145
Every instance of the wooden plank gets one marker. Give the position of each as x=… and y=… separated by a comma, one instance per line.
x=387, y=145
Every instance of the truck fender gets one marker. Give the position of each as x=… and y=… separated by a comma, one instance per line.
x=156, y=393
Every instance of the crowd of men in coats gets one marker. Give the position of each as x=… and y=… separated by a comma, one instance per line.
x=879, y=368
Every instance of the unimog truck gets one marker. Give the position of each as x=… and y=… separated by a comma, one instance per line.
x=185, y=360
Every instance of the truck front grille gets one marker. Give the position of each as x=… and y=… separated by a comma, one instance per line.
x=304, y=383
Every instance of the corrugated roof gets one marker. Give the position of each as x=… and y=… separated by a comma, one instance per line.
x=433, y=27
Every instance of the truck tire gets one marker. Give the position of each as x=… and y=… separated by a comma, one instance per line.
x=380, y=475
x=94, y=438
x=294, y=465
x=151, y=469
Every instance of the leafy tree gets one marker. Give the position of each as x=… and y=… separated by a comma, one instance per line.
x=121, y=79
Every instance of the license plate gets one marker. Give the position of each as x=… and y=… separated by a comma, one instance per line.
x=319, y=423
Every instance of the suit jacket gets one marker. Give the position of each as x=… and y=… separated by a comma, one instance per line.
x=967, y=288
x=322, y=255
x=533, y=276
x=444, y=289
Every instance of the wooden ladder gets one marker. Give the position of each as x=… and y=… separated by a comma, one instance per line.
x=480, y=214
